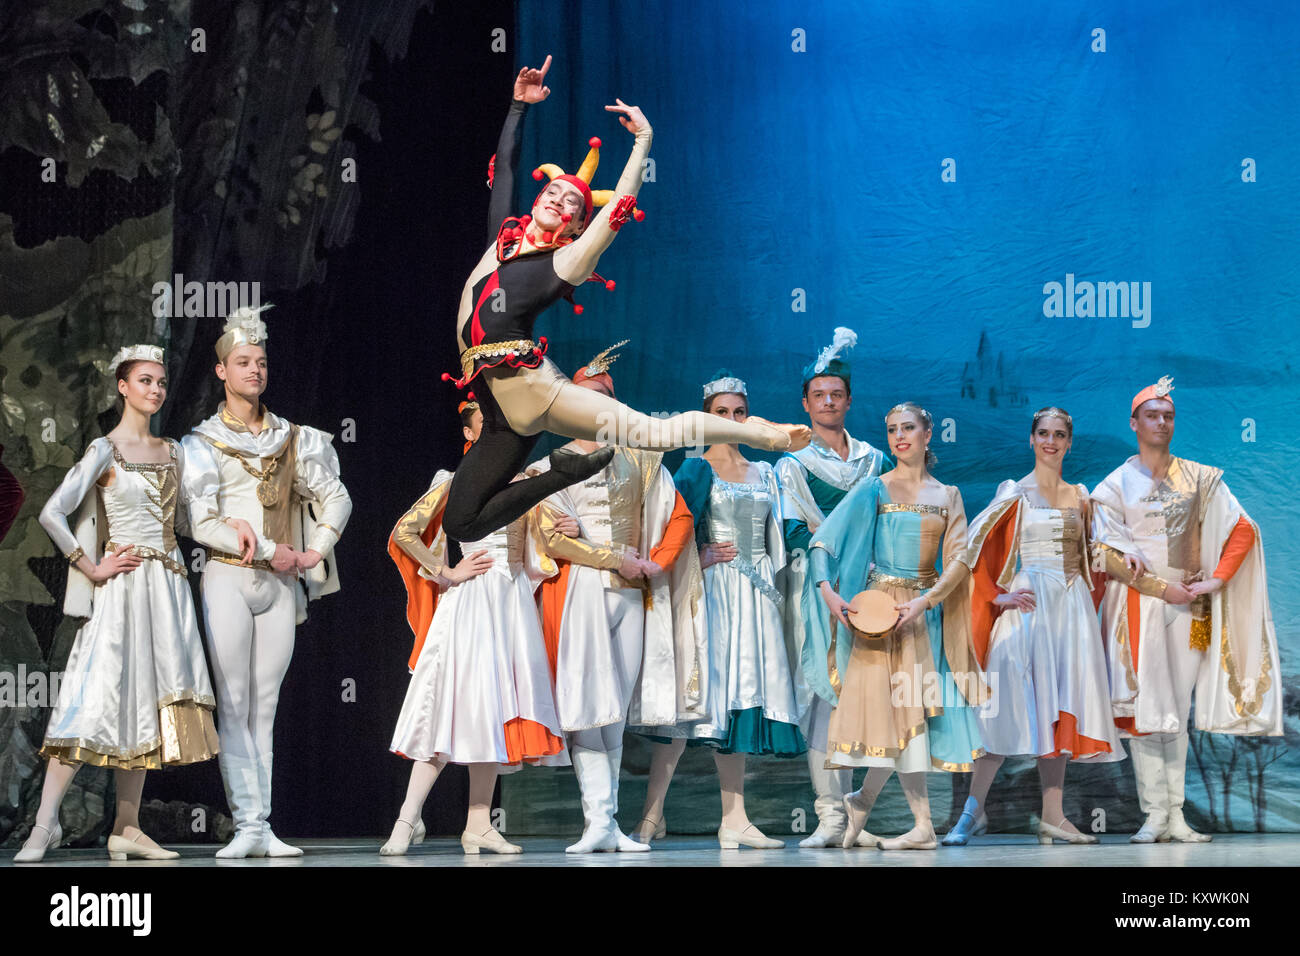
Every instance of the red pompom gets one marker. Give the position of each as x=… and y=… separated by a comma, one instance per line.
x=538, y=174
x=594, y=142
x=547, y=236
x=638, y=215
x=577, y=309
x=566, y=218
x=469, y=396
x=541, y=340
x=609, y=284
x=446, y=376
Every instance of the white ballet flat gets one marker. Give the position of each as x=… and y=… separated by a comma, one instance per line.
x=35, y=854
x=396, y=846
x=245, y=844
x=906, y=842
x=1047, y=833
x=122, y=848
x=492, y=841
x=1180, y=832
x=824, y=836
x=751, y=836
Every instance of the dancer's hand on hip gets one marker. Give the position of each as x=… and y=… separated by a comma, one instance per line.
x=470, y=566
x=120, y=560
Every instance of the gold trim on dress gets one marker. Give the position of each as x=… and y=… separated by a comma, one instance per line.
x=188, y=735
x=77, y=554
x=1243, y=707
x=1121, y=637
x=920, y=583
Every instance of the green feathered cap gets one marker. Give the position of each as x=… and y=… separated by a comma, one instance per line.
x=828, y=361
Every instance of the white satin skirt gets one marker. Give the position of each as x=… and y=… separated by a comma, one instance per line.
x=483, y=664
x=1047, y=672
x=135, y=693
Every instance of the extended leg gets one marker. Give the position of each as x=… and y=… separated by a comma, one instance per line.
x=587, y=414
x=857, y=808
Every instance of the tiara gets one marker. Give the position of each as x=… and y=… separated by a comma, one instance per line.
x=727, y=385
x=244, y=326
x=136, y=353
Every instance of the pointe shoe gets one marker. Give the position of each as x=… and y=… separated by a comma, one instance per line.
x=579, y=465
x=972, y=822
x=1180, y=832
x=1047, y=833
x=643, y=834
x=911, y=840
x=123, y=848
x=1154, y=830
x=751, y=836
x=490, y=840
x=785, y=437
x=34, y=854
x=856, y=816
x=396, y=845
x=825, y=835
x=277, y=847
x=247, y=842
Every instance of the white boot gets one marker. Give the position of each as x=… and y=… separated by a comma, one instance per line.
x=239, y=774
x=1175, y=749
x=592, y=770
x=1148, y=758
x=625, y=843
x=274, y=845
x=830, y=787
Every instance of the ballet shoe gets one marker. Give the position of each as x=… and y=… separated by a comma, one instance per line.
x=911, y=840
x=124, y=848
x=628, y=845
x=34, y=854
x=972, y=822
x=1180, y=832
x=1047, y=833
x=825, y=835
x=247, y=842
x=855, y=819
x=867, y=839
x=403, y=835
x=1154, y=830
x=750, y=836
x=579, y=466
x=785, y=437
x=597, y=840
x=278, y=848
x=489, y=840
x=657, y=831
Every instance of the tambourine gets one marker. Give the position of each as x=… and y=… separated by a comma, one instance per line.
x=873, y=613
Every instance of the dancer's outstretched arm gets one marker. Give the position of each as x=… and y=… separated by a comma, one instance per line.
x=530, y=87
x=575, y=262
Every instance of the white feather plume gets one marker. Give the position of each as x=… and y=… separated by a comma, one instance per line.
x=843, y=340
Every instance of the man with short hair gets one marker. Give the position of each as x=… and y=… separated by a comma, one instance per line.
x=1186, y=609
x=245, y=462
x=813, y=481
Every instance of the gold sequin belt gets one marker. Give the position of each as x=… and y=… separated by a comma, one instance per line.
x=919, y=583
x=495, y=350
x=225, y=557
x=153, y=554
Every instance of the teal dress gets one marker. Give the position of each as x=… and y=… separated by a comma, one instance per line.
x=903, y=699
x=748, y=688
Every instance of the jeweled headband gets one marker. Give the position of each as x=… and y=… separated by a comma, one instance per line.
x=730, y=385
x=135, y=353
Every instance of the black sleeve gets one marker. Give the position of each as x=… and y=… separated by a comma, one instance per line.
x=507, y=163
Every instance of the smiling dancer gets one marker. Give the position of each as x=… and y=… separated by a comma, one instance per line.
x=813, y=481
x=1186, y=608
x=531, y=262
x=246, y=463
x=135, y=694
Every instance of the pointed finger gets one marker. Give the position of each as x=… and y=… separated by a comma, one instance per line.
x=545, y=66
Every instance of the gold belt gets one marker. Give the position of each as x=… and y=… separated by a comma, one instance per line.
x=920, y=583
x=144, y=551
x=225, y=557
x=492, y=350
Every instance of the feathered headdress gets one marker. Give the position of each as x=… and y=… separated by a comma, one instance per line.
x=828, y=361
x=598, y=367
x=244, y=326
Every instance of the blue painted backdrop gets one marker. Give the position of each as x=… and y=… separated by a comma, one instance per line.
x=795, y=190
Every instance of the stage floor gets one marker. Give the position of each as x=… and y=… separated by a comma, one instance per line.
x=1273, y=849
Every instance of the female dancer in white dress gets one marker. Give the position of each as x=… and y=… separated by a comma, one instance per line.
x=1035, y=633
x=750, y=698
x=135, y=694
x=481, y=690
